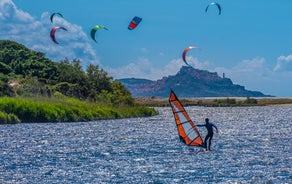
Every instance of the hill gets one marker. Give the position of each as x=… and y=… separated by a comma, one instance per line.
x=35, y=89
x=28, y=73
x=189, y=82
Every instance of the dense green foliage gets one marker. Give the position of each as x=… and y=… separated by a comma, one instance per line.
x=8, y=118
x=64, y=109
x=67, y=92
x=30, y=74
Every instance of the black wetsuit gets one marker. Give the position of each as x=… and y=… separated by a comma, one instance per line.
x=209, y=127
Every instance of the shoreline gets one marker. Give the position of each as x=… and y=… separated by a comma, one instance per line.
x=282, y=105
x=218, y=101
x=41, y=110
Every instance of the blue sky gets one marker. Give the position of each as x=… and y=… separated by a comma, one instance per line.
x=251, y=41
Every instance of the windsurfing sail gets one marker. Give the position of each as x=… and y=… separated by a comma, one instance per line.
x=187, y=130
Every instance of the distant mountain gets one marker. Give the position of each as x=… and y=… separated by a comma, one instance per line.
x=189, y=82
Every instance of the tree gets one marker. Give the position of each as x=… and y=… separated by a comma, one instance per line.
x=37, y=75
x=98, y=79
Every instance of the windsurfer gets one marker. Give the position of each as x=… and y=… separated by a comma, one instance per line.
x=209, y=126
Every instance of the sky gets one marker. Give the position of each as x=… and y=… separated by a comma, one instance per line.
x=251, y=41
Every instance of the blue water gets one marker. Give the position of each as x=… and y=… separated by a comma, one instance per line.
x=253, y=146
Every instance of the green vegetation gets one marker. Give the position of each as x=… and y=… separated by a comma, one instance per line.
x=229, y=102
x=63, y=110
x=36, y=89
x=8, y=118
x=211, y=102
x=28, y=73
x=274, y=101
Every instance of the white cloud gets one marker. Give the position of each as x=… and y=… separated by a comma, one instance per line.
x=144, y=50
x=255, y=75
x=284, y=63
x=144, y=69
x=35, y=34
x=194, y=62
x=253, y=71
x=10, y=12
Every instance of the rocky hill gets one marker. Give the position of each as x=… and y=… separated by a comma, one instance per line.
x=189, y=82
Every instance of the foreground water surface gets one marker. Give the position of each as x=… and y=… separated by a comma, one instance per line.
x=253, y=146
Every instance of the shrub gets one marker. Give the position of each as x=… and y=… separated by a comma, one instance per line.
x=64, y=110
x=8, y=118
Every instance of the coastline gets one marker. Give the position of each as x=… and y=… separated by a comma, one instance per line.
x=219, y=101
x=282, y=105
x=40, y=110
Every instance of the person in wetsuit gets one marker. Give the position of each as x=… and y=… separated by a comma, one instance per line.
x=209, y=126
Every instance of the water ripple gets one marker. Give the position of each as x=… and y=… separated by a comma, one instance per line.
x=253, y=146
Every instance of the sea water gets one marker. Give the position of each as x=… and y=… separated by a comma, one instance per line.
x=253, y=146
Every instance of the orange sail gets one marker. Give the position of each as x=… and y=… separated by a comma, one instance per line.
x=187, y=130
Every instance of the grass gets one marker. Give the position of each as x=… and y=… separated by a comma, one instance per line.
x=215, y=102
x=64, y=109
x=15, y=110
x=8, y=118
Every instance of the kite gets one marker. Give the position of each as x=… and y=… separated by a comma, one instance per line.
x=211, y=4
x=134, y=23
x=96, y=28
x=53, y=31
x=52, y=16
x=185, y=53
